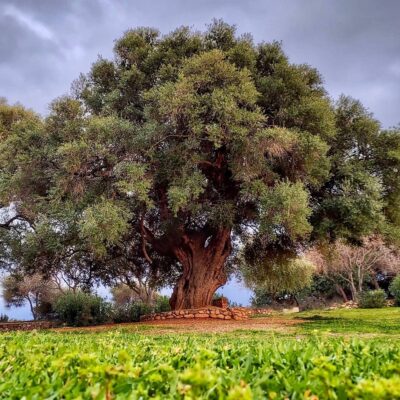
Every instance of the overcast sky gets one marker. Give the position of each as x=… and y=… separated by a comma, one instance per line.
x=355, y=44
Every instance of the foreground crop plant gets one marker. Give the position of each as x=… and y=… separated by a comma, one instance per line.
x=183, y=148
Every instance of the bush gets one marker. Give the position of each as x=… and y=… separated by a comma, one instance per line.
x=80, y=309
x=394, y=289
x=45, y=311
x=133, y=311
x=372, y=299
x=121, y=313
x=162, y=304
x=3, y=318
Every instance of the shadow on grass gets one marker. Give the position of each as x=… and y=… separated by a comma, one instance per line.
x=319, y=318
x=362, y=321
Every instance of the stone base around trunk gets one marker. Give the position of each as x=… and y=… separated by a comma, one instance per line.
x=200, y=313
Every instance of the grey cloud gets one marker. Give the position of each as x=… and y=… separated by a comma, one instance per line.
x=354, y=43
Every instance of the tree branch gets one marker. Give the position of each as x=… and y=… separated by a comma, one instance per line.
x=144, y=232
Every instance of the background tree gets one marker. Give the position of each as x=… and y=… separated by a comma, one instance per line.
x=358, y=197
x=33, y=290
x=275, y=278
x=123, y=294
x=181, y=149
x=355, y=265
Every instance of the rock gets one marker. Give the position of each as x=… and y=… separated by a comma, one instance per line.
x=291, y=310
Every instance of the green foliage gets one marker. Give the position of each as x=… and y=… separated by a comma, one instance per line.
x=104, y=224
x=261, y=298
x=352, y=204
x=355, y=208
x=185, y=190
x=123, y=365
x=132, y=311
x=162, y=304
x=133, y=181
x=394, y=289
x=183, y=135
x=279, y=276
x=372, y=299
x=285, y=207
x=23, y=152
x=386, y=153
x=80, y=309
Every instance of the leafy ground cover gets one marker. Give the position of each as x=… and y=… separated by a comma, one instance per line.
x=138, y=362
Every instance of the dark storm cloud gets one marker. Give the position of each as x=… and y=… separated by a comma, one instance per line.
x=45, y=44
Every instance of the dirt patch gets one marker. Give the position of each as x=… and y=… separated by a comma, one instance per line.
x=272, y=324
x=215, y=326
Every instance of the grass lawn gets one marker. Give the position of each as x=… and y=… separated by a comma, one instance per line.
x=379, y=321
x=340, y=354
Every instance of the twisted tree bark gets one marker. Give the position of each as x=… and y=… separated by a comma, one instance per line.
x=203, y=263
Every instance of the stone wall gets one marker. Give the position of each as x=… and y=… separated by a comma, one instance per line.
x=209, y=312
x=27, y=325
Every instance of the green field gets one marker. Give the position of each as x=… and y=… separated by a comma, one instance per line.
x=343, y=354
x=355, y=321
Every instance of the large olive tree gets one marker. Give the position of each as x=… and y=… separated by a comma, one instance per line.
x=170, y=157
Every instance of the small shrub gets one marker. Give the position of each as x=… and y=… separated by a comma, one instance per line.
x=234, y=304
x=80, y=309
x=162, y=304
x=121, y=313
x=138, y=309
x=45, y=310
x=3, y=318
x=133, y=311
x=394, y=289
x=372, y=299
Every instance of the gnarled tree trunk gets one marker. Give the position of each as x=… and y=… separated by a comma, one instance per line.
x=340, y=291
x=203, y=261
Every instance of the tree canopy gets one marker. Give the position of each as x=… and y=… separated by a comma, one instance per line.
x=184, y=148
